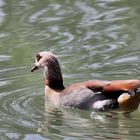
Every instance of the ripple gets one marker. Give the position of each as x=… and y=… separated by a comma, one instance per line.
x=4, y=35
x=36, y=15
x=20, y=103
x=4, y=58
x=69, y=37
x=11, y=69
x=3, y=83
x=93, y=39
x=126, y=59
x=21, y=110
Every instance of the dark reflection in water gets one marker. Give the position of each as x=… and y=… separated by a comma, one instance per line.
x=93, y=40
x=87, y=125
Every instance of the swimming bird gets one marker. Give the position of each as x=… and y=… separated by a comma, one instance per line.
x=93, y=94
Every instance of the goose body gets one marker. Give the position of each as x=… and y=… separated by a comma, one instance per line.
x=93, y=94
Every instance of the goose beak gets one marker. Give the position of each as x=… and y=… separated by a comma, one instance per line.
x=36, y=64
x=34, y=68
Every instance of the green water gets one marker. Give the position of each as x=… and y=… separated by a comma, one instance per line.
x=93, y=39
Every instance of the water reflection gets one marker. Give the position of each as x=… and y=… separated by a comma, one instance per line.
x=92, y=39
x=61, y=122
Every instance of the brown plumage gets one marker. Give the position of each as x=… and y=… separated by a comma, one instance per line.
x=93, y=94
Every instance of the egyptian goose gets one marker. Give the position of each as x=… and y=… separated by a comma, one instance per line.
x=93, y=94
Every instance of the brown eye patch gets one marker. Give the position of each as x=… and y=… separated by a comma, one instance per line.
x=38, y=57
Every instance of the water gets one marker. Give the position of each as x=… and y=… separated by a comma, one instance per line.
x=93, y=40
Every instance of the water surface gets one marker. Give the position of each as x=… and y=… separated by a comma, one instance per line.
x=93, y=40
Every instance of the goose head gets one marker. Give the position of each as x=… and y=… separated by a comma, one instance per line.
x=42, y=59
x=51, y=68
